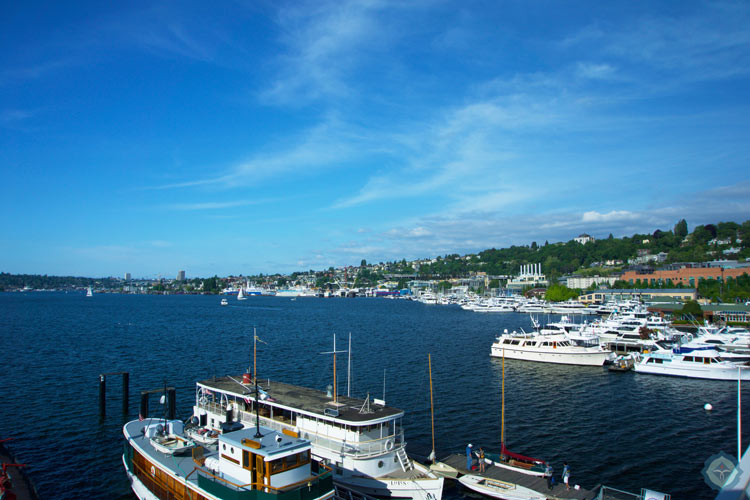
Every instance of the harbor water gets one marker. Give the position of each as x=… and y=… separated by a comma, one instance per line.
x=624, y=430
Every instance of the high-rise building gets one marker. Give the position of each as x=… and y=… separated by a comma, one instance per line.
x=180, y=275
x=127, y=276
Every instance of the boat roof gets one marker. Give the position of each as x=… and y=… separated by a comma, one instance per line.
x=352, y=411
x=273, y=444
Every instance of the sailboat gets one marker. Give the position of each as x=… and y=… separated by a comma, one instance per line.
x=240, y=295
x=89, y=292
x=508, y=459
x=439, y=468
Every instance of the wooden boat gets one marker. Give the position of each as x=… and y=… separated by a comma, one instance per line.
x=508, y=459
x=499, y=489
x=444, y=470
x=369, y=457
x=250, y=464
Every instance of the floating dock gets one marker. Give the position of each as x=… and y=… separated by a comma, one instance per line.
x=536, y=483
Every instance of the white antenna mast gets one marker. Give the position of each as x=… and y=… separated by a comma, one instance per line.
x=349, y=369
x=383, y=384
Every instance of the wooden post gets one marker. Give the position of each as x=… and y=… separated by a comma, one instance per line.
x=102, y=395
x=125, y=392
x=143, y=412
x=171, y=403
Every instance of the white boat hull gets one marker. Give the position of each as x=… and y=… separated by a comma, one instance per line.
x=699, y=371
x=418, y=489
x=499, y=489
x=580, y=356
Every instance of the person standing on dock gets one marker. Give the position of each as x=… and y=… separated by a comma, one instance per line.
x=566, y=474
x=550, y=479
x=468, y=458
x=481, y=459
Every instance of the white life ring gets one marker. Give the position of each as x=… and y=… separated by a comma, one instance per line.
x=389, y=445
x=153, y=471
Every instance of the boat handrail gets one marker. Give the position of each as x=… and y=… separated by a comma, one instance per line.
x=359, y=449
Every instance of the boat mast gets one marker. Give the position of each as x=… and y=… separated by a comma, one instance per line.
x=349, y=368
x=335, y=389
x=432, y=410
x=255, y=343
x=502, y=414
x=739, y=414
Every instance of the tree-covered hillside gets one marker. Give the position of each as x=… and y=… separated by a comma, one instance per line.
x=706, y=242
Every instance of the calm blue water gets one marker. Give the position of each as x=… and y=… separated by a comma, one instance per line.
x=624, y=430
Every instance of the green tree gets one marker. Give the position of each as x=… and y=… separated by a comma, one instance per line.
x=693, y=308
x=560, y=293
x=681, y=228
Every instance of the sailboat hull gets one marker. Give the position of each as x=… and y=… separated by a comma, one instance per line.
x=499, y=489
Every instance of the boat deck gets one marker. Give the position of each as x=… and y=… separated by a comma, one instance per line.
x=536, y=483
x=179, y=465
x=304, y=399
x=23, y=488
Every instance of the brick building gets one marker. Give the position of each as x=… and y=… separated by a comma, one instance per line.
x=688, y=276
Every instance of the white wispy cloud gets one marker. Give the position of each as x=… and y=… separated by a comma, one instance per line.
x=432, y=235
x=710, y=42
x=213, y=205
x=614, y=215
x=321, y=40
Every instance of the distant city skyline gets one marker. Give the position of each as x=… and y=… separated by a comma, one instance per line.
x=286, y=136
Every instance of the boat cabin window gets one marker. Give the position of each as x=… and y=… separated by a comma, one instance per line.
x=290, y=462
x=687, y=358
x=706, y=361
x=515, y=342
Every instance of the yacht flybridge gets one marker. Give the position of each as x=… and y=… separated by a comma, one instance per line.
x=361, y=440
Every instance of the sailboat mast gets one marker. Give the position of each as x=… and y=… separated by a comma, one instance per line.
x=502, y=415
x=255, y=343
x=349, y=368
x=432, y=409
x=335, y=389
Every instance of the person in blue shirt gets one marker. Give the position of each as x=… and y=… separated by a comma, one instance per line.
x=566, y=474
x=468, y=457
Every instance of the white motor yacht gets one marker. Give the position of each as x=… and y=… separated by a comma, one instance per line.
x=547, y=349
x=699, y=363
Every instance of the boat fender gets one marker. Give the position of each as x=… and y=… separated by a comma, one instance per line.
x=389, y=445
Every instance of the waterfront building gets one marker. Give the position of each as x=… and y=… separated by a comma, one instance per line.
x=127, y=276
x=180, y=275
x=645, y=294
x=584, y=282
x=529, y=276
x=688, y=276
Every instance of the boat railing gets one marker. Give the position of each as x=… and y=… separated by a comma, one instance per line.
x=358, y=449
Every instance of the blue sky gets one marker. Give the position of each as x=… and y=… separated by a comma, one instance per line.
x=249, y=137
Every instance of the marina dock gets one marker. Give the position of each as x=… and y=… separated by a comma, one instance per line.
x=536, y=483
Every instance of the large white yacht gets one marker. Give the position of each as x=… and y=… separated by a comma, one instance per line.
x=703, y=363
x=555, y=348
x=361, y=440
